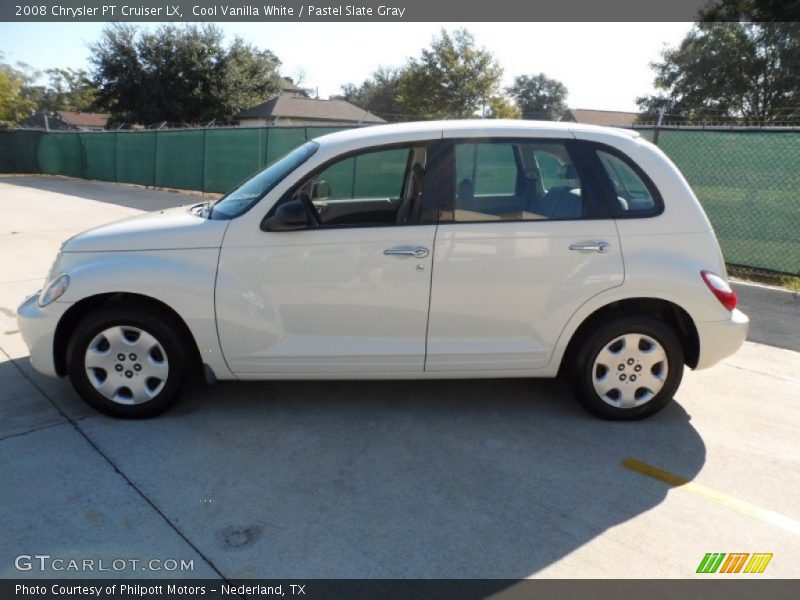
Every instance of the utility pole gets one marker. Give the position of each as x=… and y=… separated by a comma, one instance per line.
x=662, y=109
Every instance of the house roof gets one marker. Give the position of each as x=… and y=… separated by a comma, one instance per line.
x=608, y=118
x=83, y=119
x=288, y=85
x=298, y=107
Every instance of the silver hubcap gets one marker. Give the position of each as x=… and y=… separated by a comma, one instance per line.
x=126, y=364
x=630, y=370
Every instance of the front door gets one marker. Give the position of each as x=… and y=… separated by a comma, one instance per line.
x=347, y=295
x=526, y=239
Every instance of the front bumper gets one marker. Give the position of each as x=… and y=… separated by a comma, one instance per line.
x=720, y=339
x=38, y=327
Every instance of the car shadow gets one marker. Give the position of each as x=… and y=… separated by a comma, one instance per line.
x=395, y=479
x=129, y=196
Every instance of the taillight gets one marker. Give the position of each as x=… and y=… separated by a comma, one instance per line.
x=720, y=288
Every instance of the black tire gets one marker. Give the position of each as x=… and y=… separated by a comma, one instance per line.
x=160, y=326
x=589, y=348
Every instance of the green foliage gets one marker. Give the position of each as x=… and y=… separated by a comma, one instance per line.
x=179, y=74
x=67, y=89
x=12, y=105
x=378, y=94
x=15, y=104
x=452, y=78
x=501, y=107
x=539, y=97
x=756, y=11
x=21, y=95
x=733, y=70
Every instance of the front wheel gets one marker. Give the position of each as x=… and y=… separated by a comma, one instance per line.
x=628, y=368
x=127, y=361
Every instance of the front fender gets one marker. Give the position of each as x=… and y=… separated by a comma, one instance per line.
x=181, y=279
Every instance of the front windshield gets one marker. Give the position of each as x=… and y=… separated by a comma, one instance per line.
x=251, y=191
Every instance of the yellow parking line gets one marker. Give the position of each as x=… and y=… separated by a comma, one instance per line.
x=744, y=507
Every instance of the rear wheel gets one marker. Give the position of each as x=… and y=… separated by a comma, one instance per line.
x=127, y=361
x=628, y=368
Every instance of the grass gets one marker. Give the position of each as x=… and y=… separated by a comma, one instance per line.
x=790, y=282
x=782, y=280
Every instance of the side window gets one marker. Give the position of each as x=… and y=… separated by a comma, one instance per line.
x=549, y=169
x=490, y=168
x=518, y=181
x=633, y=196
x=380, y=187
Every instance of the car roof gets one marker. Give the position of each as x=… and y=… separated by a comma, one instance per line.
x=466, y=128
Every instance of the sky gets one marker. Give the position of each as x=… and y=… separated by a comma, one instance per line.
x=605, y=66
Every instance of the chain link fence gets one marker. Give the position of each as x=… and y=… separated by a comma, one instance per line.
x=748, y=180
x=207, y=160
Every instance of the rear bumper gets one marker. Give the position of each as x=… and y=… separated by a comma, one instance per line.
x=38, y=327
x=720, y=339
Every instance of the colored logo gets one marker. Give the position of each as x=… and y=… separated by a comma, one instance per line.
x=735, y=562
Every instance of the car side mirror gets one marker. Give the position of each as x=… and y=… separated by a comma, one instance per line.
x=321, y=189
x=289, y=216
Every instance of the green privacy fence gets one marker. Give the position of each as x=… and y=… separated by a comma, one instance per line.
x=208, y=160
x=748, y=181
x=19, y=151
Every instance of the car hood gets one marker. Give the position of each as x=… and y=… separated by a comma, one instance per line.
x=171, y=229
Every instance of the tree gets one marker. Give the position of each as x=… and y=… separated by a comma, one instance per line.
x=14, y=104
x=378, y=94
x=501, y=107
x=755, y=11
x=67, y=89
x=452, y=78
x=747, y=68
x=11, y=104
x=539, y=97
x=179, y=74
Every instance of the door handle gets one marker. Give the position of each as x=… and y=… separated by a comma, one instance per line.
x=415, y=251
x=601, y=247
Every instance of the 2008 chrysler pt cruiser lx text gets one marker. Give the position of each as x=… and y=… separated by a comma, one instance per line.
x=449, y=249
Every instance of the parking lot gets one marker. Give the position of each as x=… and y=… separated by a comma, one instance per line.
x=447, y=479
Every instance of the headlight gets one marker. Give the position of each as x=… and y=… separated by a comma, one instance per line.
x=53, y=291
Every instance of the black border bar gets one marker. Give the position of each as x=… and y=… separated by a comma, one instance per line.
x=711, y=587
x=339, y=11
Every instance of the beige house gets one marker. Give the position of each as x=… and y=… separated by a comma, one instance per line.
x=66, y=120
x=292, y=106
x=608, y=118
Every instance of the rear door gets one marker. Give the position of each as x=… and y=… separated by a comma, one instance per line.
x=524, y=238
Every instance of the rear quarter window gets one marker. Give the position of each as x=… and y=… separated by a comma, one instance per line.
x=631, y=192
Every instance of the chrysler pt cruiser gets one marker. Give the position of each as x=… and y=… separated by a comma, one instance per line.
x=456, y=249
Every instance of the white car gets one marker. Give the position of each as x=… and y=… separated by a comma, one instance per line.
x=454, y=249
